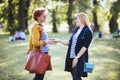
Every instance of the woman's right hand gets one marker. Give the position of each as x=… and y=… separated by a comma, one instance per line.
x=55, y=39
x=52, y=41
x=60, y=41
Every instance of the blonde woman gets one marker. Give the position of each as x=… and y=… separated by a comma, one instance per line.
x=78, y=45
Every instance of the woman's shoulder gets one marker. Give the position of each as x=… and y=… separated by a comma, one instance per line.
x=88, y=30
x=36, y=27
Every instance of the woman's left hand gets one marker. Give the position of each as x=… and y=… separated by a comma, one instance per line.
x=74, y=63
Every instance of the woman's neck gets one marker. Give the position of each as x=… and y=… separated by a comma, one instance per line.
x=81, y=26
x=79, y=30
x=39, y=22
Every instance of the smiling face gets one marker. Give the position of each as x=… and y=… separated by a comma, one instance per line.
x=81, y=19
x=39, y=15
x=42, y=18
x=77, y=21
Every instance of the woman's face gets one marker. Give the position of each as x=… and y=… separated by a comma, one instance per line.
x=42, y=18
x=77, y=21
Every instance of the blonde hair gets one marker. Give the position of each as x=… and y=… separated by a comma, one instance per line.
x=84, y=18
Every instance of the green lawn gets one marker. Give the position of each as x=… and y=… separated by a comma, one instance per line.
x=105, y=54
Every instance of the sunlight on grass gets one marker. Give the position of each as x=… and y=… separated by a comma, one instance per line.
x=23, y=73
x=103, y=53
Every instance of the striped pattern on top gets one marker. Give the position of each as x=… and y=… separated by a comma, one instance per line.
x=72, y=51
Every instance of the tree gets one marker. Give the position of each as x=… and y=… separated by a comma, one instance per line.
x=10, y=17
x=82, y=5
x=114, y=10
x=54, y=20
x=1, y=1
x=94, y=12
x=69, y=15
x=23, y=14
x=27, y=4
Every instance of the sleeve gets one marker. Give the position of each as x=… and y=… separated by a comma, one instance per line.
x=36, y=35
x=30, y=44
x=87, y=38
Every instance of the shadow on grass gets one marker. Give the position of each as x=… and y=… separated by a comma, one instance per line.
x=106, y=60
x=102, y=52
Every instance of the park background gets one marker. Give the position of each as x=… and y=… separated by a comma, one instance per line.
x=16, y=15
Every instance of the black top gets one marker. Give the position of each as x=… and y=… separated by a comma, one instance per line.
x=84, y=39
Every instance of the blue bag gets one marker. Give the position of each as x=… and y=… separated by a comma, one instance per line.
x=88, y=67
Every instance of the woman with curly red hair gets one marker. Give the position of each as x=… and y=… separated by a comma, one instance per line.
x=39, y=36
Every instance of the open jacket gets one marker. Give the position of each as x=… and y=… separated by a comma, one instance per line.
x=84, y=39
x=35, y=38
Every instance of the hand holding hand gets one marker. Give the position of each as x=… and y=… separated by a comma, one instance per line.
x=60, y=41
x=52, y=41
x=55, y=39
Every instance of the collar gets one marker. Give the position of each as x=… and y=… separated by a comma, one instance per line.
x=41, y=25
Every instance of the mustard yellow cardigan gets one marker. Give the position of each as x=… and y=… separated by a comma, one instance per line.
x=35, y=38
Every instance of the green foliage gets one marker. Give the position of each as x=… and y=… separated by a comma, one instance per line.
x=102, y=19
x=3, y=10
x=114, y=10
x=83, y=6
x=63, y=11
x=70, y=15
x=23, y=7
x=11, y=17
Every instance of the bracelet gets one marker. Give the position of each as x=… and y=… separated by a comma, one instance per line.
x=77, y=57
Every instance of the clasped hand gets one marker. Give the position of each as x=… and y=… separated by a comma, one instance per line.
x=53, y=41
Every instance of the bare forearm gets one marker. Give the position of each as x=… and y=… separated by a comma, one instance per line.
x=64, y=43
x=81, y=52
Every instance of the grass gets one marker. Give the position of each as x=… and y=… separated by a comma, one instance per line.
x=105, y=54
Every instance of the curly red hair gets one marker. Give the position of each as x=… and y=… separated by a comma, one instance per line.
x=38, y=12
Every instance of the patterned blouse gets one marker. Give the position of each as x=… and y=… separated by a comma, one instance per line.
x=44, y=37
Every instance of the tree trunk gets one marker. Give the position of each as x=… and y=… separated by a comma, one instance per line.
x=113, y=25
x=21, y=15
x=95, y=4
x=69, y=16
x=27, y=5
x=95, y=20
x=114, y=10
x=1, y=1
x=10, y=17
x=54, y=20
